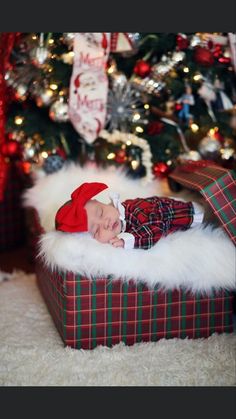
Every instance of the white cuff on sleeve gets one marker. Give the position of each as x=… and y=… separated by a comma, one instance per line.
x=128, y=240
x=198, y=214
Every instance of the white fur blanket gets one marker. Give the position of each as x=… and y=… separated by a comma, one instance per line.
x=199, y=259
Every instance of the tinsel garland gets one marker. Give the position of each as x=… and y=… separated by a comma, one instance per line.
x=7, y=40
x=124, y=137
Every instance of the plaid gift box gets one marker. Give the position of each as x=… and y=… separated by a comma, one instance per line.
x=12, y=225
x=106, y=311
x=218, y=187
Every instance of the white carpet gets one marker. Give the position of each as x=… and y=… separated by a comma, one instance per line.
x=32, y=353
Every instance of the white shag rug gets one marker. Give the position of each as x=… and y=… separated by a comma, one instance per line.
x=199, y=259
x=32, y=353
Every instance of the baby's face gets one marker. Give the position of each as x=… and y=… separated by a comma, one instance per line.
x=103, y=220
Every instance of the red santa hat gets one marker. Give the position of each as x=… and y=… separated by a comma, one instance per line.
x=72, y=216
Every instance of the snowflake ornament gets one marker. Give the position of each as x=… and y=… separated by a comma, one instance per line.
x=123, y=107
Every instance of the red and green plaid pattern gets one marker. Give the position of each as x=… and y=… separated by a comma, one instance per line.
x=218, y=186
x=88, y=313
x=12, y=225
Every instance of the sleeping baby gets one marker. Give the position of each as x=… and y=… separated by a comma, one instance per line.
x=133, y=223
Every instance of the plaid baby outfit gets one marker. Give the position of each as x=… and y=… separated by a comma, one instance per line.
x=146, y=220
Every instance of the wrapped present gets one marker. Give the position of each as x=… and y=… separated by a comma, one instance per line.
x=89, y=312
x=217, y=185
x=106, y=311
x=12, y=221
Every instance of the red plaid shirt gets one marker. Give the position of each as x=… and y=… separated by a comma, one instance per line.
x=149, y=219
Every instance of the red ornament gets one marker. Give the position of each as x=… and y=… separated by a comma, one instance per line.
x=161, y=169
x=121, y=156
x=178, y=106
x=142, y=68
x=182, y=41
x=217, y=51
x=155, y=128
x=224, y=60
x=203, y=56
x=11, y=149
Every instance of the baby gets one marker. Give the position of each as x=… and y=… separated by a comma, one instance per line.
x=134, y=223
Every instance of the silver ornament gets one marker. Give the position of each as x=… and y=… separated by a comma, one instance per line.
x=21, y=91
x=43, y=95
x=59, y=110
x=147, y=85
x=39, y=56
x=178, y=56
x=122, y=104
x=118, y=80
x=195, y=41
x=209, y=147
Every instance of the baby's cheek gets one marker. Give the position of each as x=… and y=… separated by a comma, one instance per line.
x=105, y=236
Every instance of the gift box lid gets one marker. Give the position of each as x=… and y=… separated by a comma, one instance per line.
x=218, y=187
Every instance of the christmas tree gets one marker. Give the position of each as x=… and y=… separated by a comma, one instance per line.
x=146, y=101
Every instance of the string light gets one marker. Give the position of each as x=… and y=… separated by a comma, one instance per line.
x=194, y=127
x=44, y=154
x=134, y=164
x=53, y=86
x=186, y=70
x=128, y=142
x=139, y=129
x=19, y=120
x=197, y=77
x=146, y=106
x=111, y=156
x=136, y=117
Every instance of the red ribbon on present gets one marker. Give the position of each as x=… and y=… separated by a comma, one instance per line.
x=7, y=40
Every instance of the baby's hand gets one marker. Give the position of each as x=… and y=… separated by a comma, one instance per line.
x=116, y=242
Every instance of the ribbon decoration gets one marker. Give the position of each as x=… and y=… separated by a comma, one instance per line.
x=7, y=40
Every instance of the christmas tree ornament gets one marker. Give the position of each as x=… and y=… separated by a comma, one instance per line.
x=125, y=43
x=142, y=68
x=40, y=54
x=122, y=104
x=121, y=156
x=59, y=110
x=161, y=169
x=162, y=68
x=53, y=163
x=21, y=92
x=195, y=41
x=89, y=84
x=203, y=56
x=182, y=41
x=147, y=85
x=209, y=147
x=43, y=95
x=208, y=94
x=186, y=100
x=222, y=101
x=178, y=56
